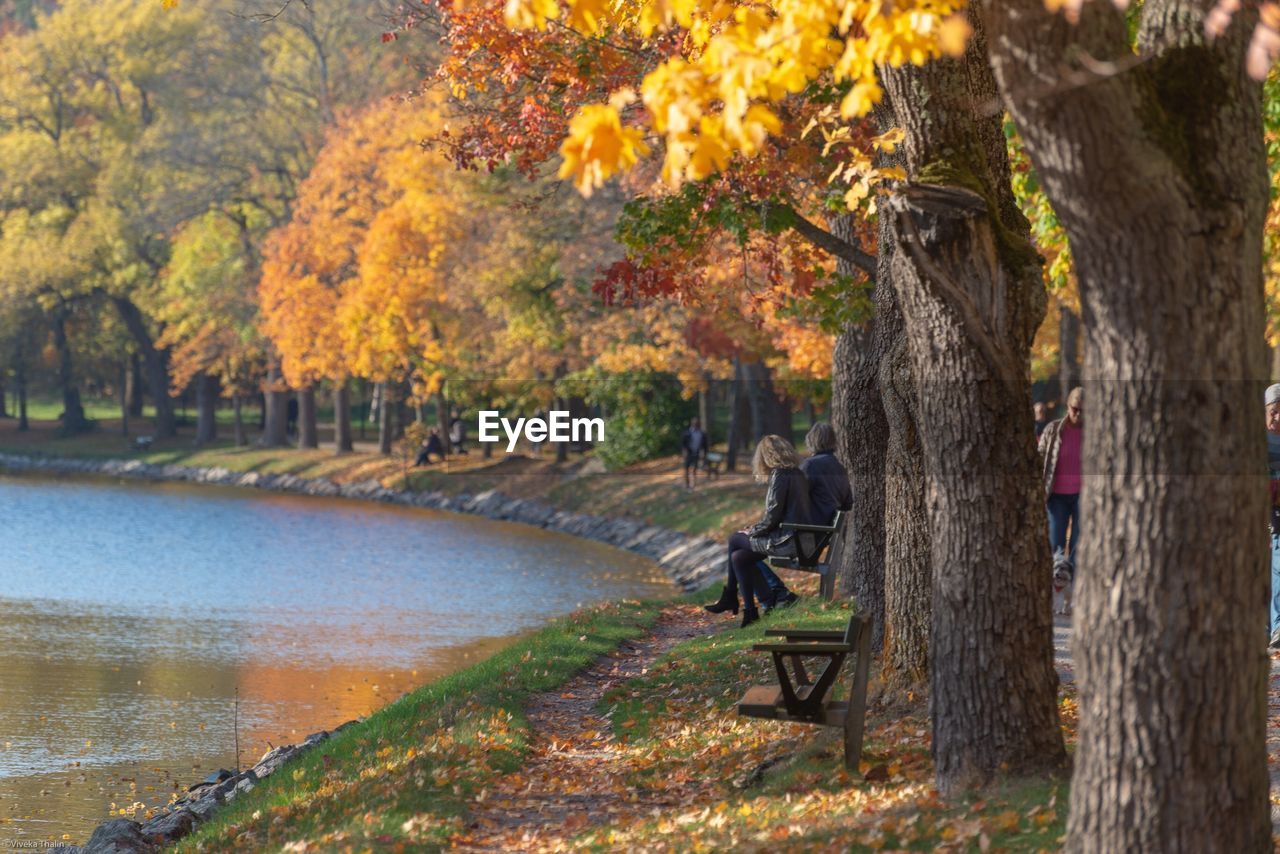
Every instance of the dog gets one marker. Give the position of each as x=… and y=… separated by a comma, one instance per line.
x=1063, y=579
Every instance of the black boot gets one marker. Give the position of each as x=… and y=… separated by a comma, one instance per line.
x=749, y=616
x=727, y=602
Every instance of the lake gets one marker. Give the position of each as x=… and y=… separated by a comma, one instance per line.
x=144, y=625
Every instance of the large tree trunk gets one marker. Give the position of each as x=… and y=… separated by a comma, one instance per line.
x=971, y=298
x=73, y=420
x=4, y=400
x=206, y=408
x=1068, y=352
x=156, y=363
x=1159, y=176
x=275, y=410
x=341, y=417
x=308, y=436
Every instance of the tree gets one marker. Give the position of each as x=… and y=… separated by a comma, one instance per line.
x=1157, y=169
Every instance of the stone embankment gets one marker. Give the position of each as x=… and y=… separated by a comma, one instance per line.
x=196, y=805
x=692, y=562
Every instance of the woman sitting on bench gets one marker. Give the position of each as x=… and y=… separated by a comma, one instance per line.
x=786, y=501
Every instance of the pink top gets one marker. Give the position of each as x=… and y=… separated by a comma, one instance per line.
x=1066, y=474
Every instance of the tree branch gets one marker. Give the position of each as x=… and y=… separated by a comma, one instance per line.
x=828, y=242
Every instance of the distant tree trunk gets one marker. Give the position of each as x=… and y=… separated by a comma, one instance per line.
x=308, y=435
x=1159, y=176
x=442, y=419
x=73, y=420
x=136, y=384
x=236, y=405
x=4, y=400
x=1069, y=351
x=123, y=393
x=206, y=408
x=275, y=429
x=156, y=362
x=735, y=417
x=970, y=287
x=770, y=413
x=384, y=420
x=1275, y=364
x=704, y=410
x=341, y=417
x=20, y=379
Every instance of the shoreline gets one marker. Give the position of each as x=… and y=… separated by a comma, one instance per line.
x=692, y=562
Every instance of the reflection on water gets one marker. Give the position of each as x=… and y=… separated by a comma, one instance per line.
x=131, y=618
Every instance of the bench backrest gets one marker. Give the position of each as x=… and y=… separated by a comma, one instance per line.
x=810, y=545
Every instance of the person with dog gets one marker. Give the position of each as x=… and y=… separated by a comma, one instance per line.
x=787, y=500
x=1272, y=401
x=1061, y=447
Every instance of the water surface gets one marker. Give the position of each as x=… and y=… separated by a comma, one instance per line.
x=132, y=617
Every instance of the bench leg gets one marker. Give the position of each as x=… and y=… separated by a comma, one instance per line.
x=855, y=717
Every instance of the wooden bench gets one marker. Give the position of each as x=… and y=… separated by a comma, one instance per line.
x=711, y=462
x=800, y=698
x=816, y=546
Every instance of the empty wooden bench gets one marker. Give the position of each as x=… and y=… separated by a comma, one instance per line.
x=800, y=698
x=816, y=545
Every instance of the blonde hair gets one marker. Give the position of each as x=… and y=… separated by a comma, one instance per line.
x=773, y=452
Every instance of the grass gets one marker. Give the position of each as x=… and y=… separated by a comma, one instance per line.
x=681, y=713
x=408, y=777
x=405, y=774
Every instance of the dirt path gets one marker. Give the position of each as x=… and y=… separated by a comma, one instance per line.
x=575, y=775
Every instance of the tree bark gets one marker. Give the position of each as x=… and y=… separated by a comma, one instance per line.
x=4, y=400
x=156, y=363
x=307, y=434
x=73, y=420
x=908, y=581
x=206, y=408
x=971, y=295
x=341, y=417
x=1159, y=176
x=442, y=419
x=275, y=411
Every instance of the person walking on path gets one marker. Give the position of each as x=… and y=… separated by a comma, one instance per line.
x=1272, y=400
x=787, y=500
x=1061, y=446
x=694, y=444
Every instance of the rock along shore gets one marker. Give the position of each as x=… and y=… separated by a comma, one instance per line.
x=692, y=562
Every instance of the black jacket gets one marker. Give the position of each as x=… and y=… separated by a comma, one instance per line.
x=828, y=486
x=786, y=501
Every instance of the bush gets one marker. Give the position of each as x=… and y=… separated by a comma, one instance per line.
x=645, y=413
